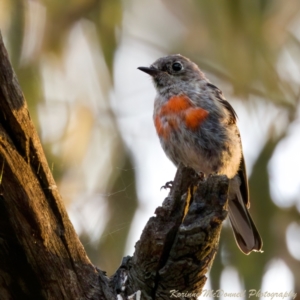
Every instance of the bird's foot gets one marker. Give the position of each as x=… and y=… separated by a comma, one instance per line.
x=168, y=185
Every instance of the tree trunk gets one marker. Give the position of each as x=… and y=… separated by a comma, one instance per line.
x=41, y=256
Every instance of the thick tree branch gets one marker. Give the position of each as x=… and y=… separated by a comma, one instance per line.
x=41, y=256
x=36, y=236
x=176, y=250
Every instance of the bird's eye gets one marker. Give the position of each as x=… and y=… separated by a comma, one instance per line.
x=177, y=66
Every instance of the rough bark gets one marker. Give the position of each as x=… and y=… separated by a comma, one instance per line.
x=176, y=249
x=41, y=256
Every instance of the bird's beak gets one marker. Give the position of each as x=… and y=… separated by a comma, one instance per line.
x=152, y=71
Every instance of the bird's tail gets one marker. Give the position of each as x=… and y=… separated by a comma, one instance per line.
x=245, y=232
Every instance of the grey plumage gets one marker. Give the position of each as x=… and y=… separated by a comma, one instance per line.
x=197, y=127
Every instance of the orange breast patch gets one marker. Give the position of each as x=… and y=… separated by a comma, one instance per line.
x=164, y=129
x=194, y=117
x=179, y=109
x=159, y=126
x=176, y=104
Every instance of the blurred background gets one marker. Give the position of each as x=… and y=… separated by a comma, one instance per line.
x=77, y=64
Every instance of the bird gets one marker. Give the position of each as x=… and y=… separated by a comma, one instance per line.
x=197, y=127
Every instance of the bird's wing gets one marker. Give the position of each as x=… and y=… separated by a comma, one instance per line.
x=244, y=182
x=220, y=97
x=242, y=169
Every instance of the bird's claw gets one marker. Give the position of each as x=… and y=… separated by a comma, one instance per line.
x=168, y=185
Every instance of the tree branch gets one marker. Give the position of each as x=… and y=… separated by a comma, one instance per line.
x=40, y=253
x=176, y=250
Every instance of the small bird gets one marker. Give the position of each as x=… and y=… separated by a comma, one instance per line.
x=197, y=127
